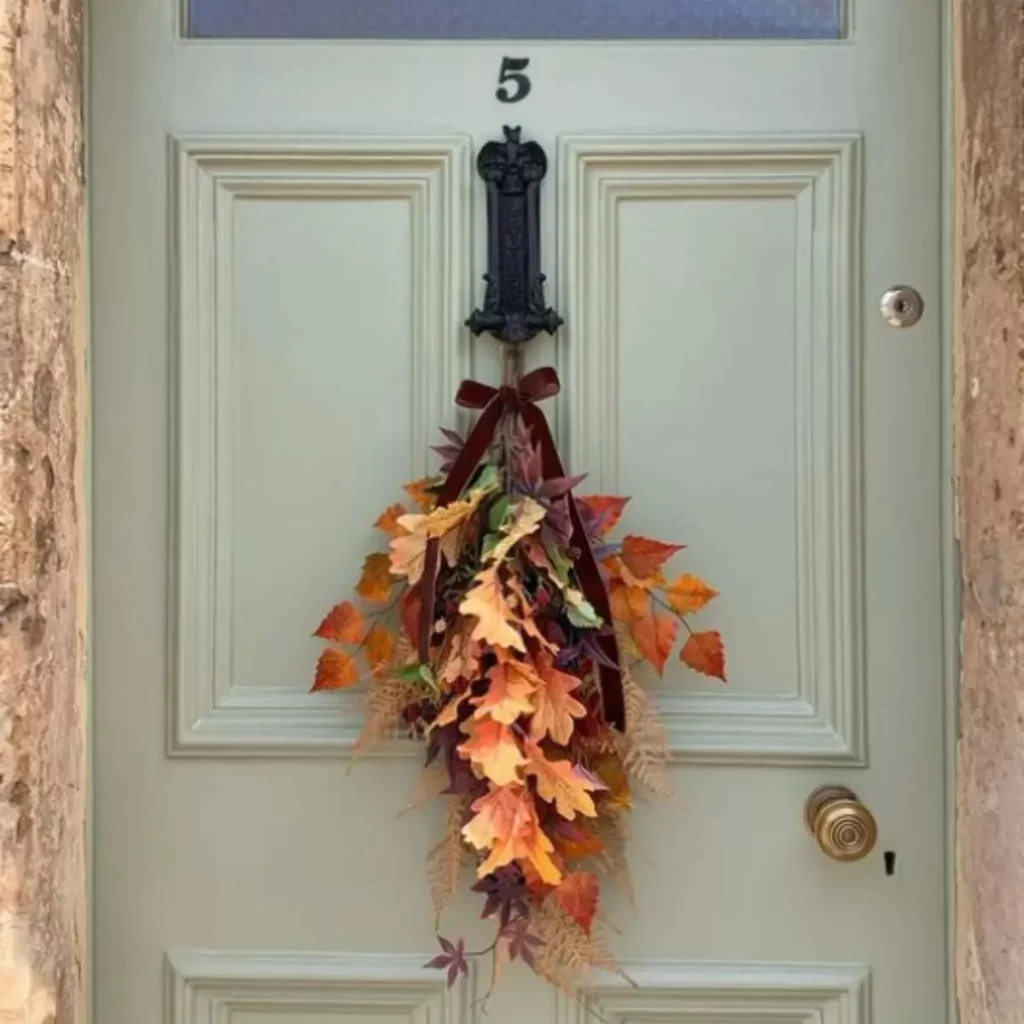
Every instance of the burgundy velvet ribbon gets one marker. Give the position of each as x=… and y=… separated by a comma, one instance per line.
x=495, y=402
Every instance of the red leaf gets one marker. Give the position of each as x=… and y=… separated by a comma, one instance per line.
x=704, y=653
x=577, y=896
x=342, y=624
x=644, y=557
x=606, y=509
x=335, y=671
x=409, y=609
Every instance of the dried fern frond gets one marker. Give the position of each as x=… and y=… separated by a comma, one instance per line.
x=447, y=857
x=643, y=747
x=386, y=699
x=433, y=781
x=613, y=831
x=568, y=956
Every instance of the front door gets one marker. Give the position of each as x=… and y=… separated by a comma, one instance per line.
x=287, y=234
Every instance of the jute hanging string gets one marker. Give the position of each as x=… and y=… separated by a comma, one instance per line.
x=500, y=629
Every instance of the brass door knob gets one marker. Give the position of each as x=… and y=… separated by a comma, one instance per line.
x=844, y=828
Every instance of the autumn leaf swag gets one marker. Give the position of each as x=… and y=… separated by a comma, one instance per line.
x=501, y=629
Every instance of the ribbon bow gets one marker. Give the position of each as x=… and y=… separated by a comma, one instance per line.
x=534, y=387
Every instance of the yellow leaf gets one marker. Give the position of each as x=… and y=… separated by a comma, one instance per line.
x=493, y=747
x=561, y=784
x=380, y=646
x=526, y=519
x=486, y=602
x=507, y=697
x=408, y=553
x=343, y=624
x=505, y=823
x=335, y=671
x=450, y=712
x=688, y=594
x=376, y=582
x=448, y=517
x=463, y=659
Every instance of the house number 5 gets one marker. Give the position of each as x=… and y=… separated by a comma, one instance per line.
x=512, y=69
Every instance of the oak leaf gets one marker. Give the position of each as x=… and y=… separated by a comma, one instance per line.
x=379, y=646
x=705, y=653
x=486, y=602
x=606, y=511
x=388, y=520
x=507, y=697
x=555, y=707
x=644, y=557
x=526, y=519
x=688, y=594
x=408, y=552
x=343, y=624
x=561, y=783
x=462, y=660
x=493, y=748
x=335, y=671
x=450, y=712
x=577, y=895
x=376, y=581
x=506, y=824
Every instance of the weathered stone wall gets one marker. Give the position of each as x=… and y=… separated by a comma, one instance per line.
x=42, y=585
x=989, y=428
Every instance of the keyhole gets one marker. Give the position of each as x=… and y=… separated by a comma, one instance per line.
x=890, y=862
x=901, y=306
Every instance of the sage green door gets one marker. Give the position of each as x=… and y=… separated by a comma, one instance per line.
x=286, y=237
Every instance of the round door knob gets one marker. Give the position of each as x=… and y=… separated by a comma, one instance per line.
x=843, y=827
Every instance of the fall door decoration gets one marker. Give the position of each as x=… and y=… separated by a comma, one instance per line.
x=501, y=628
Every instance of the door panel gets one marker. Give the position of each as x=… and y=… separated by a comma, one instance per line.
x=286, y=239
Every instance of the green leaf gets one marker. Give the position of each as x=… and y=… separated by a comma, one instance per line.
x=488, y=480
x=499, y=512
x=411, y=673
x=491, y=541
x=560, y=562
x=583, y=615
x=427, y=675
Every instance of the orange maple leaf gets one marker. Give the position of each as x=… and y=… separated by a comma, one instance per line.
x=644, y=557
x=376, y=581
x=577, y=895
x=486, y=602
x=493, y=747
x=380, y=646
x=561, y=783
x=418, y=492
x=343, y=624
x=505, y=823
x=335, y=671
x=555, y=707
x=705, y=653
x=388, y=520
x=507, y=697
x=688, y=594
x=606, y=509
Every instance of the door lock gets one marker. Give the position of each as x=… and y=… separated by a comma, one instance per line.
x=901, y=306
